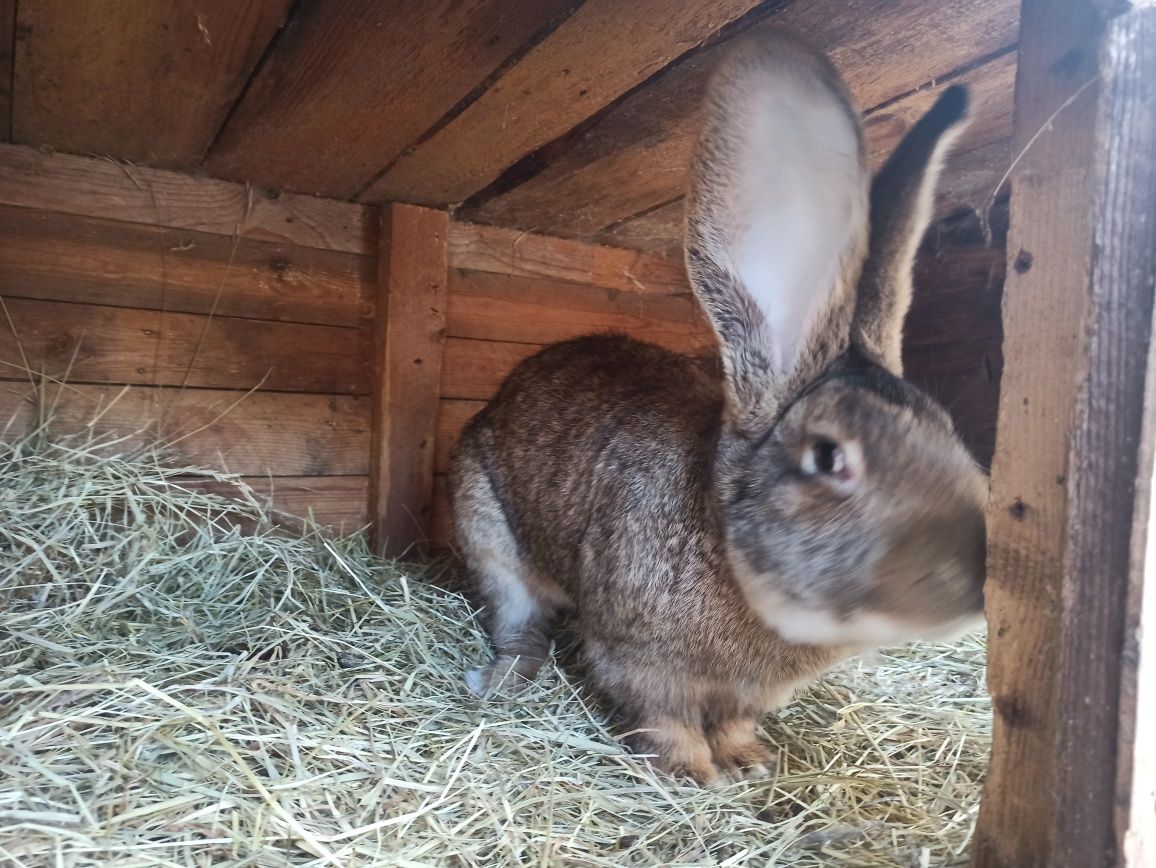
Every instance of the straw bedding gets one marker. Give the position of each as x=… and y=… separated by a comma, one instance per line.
x=183, y=684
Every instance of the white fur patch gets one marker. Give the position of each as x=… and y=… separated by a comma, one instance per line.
x=809, y=626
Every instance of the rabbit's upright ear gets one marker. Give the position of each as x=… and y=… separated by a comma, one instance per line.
x=776, y=221
x=902, y=196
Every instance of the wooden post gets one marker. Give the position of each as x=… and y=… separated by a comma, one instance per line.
x=407, y=361
x=1073, y=463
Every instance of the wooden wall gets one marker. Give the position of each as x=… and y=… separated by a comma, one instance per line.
x=238, y=321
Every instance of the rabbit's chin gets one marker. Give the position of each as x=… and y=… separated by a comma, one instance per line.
x=803, y=625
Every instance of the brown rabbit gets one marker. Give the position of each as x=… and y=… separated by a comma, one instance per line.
x=722, y=543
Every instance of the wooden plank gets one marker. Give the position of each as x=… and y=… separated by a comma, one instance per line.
x=335, y=502
x=478, y=247
x=143, y=80
x=117, y=191
x=1103, y=569
x=659, y=230
x=452, y=418
x=635, y=157
x=84, y=343
x=7, y=47
x=599, y=53
x=67, y=258
x=257, y=433
x=407, y=364
x=352, y=84
x=473, y=370
x=1045, y=298
x=535, y=311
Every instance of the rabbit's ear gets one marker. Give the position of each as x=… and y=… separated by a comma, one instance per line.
x=902, y=196
x=777, y=220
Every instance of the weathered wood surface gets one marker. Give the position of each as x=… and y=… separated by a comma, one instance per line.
x=1044, y=305
x=334, y=502
x=146, y=80
x=407, y=364
x=601, y=51
x=634, y=157
x=1109, y=468
x=452, y=418
x=85, y=343
x=528, y=310
x=353, y=83
x=62, y=257
x=7, y=47
x=517, y=253
x=257, y=434
x=473, y=370
x=92, y=187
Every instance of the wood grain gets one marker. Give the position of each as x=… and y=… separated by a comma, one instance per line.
x=1109, y=466
x=149, y=81
x=452, y=418
x=441, y=532
x=525, y=254
x=353, y=83
x=7, y=48
x=1045, y=298
x=635, y=157
x=92, y=187
x=407, y=363
x=258, y=433
x=599, y=53
x=85, y=343
x=334, y=502
x=531, y=310
x=62, y=257
x=659, y=230
x=473, y=370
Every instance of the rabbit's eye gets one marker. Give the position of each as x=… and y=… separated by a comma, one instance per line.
x=824, y=457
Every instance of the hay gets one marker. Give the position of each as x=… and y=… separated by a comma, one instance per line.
x=174, y=691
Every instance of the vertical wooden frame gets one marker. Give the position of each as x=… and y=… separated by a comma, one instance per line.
x=1073, y=463
x=409, y=335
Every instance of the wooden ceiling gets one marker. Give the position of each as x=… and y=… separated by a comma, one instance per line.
x=568, y=117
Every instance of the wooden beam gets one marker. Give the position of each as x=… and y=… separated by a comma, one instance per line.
x=599, y=53
x=353, y=83
x=635, y=156
x=407, y=365
x=147, y=80
x=1069, y=500
x=91, y=187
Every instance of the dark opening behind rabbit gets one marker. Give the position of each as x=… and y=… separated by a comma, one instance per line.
x=720, y=543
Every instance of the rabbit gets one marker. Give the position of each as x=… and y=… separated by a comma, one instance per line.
x=721, y=541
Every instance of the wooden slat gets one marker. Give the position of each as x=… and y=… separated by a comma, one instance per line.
x=635, y=157
x=260, y=433
x=336, y=502
x=441, y=525
x=1045, y=297
x=7, y=47
x=407, y=364
x=474, y=369
x=86, y=343
x=529, y=310
x=67, y=258
x=509, y=251
x=659, y=230
x=603, y=50
x=352, y=83
x=452, y=418
x=147, y=80
x=1099, y=804
x=102, y=188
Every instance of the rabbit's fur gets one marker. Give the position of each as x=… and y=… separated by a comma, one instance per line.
x=722, y=540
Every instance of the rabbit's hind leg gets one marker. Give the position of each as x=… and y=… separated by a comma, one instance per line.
x=519, y=602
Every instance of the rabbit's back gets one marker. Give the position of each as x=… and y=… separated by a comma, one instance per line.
x=593, y=445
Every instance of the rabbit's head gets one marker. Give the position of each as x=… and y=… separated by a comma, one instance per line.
x=852, y=511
